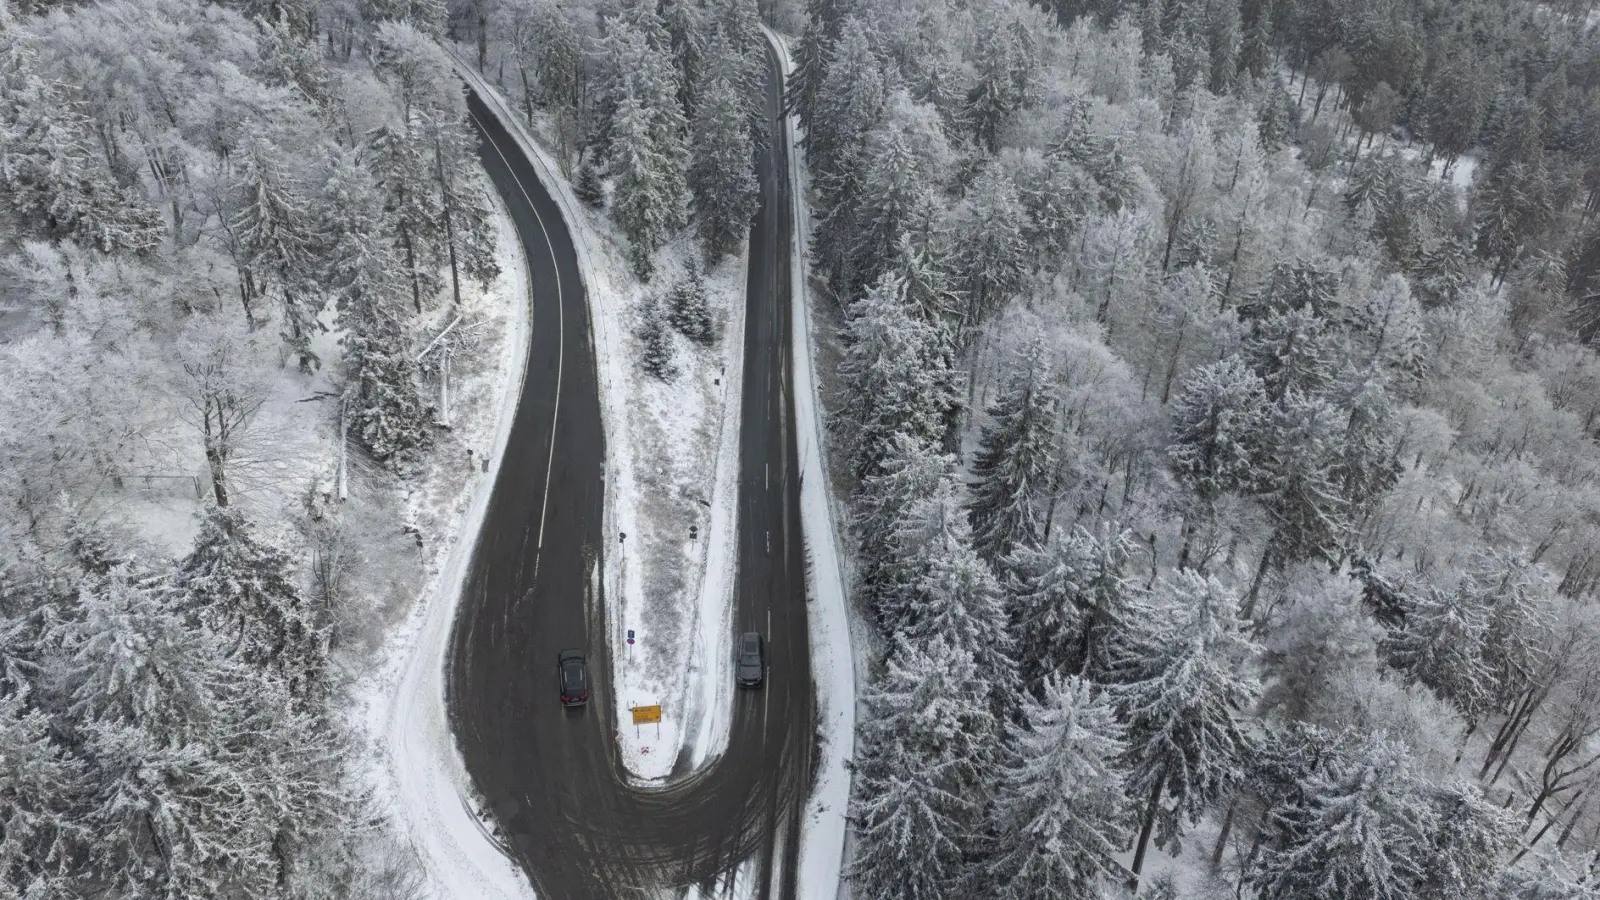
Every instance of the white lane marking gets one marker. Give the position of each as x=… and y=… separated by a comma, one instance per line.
x=766, y=707
x=561, y=337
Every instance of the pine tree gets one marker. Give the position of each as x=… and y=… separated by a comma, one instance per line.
x=896, y=373
x=400, y=168
x=1392, y=323
x=851, y=99
x=1516, y=200
x=365, y=274
x=1292, y=351
x=655, y=341
x=1360, y=833
x=914, y=808
x=688, y=308
x=1368, y=465
x=647, y=157
x=1114, y=251
x=958, y=598
x=1006, y=59
x=989, y=259
x=1016, y=458
x=1299, y=485
x=1521, y=615
x=738, y=49
x=1059, y=195
x=130, y=657
x=590, y=189
x=273, y=219
x=241, y=589
x=1061, y=816
x=924, y=528
x=54, y=176
x=1298, y=283
x=826, y=22
x=686, y=27
x=1470, y=844
x=464, y=212
x=1181, y=682
x=721, y=176
x=905, y=159
x=560, y=58
x=40, y=784
x=389, y=418
x=910, y=472
x=1441, y=646
x=1186, y=179
x=1069, y=598
x=1218, y=427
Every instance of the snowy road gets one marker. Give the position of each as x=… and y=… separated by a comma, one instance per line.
x=551, y=776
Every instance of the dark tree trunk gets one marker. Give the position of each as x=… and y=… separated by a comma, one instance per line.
x=1222, y=838
x=1147, y=826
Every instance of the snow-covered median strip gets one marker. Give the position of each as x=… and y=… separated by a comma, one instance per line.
x=832, y=662
x=671, y=463
x=419, y=766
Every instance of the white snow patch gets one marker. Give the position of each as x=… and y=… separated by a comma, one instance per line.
x=401, y=705
x=822, y=837
x=671, y=462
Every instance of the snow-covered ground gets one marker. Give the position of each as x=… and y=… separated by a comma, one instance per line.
x=671, y=463
x=686, y=467
x=833, y=664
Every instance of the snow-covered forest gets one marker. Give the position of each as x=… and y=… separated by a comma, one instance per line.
x=221, y=224
x=1222, y=461
x=1215, y=405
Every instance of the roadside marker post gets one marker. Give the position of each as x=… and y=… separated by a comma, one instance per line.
x=630, y=643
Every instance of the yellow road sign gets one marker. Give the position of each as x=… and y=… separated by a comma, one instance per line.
x=644, y=715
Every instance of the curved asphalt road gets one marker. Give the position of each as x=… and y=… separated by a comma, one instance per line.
x=552, y=776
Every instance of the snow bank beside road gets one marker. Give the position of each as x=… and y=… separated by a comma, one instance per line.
x=832, y=662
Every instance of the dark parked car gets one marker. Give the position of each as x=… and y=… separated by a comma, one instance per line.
x=751, y=667
x=574, y=677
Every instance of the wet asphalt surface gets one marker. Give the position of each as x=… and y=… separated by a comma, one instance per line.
x=552, y=776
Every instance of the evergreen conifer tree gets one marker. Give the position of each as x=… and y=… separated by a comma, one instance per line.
x=1219, y=422
x=1360, y=832
x=655, y=341
x=647, y=155
x=689, y=309
x=273, y=220
x=989, y=259
x=1069, y=598
x=1061, y=816
x=54, y=175
x=897, y=376
x=915, y=807
x=721, y=175
x=590, y=188
x=1012, y=468
x=1181, y=680
x=241, y=588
